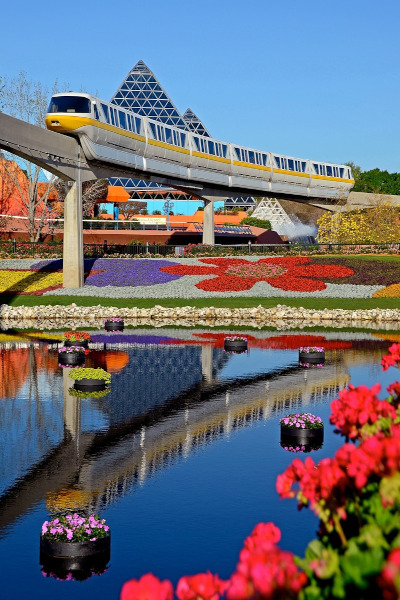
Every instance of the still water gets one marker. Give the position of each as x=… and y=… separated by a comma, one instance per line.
x=180, y=458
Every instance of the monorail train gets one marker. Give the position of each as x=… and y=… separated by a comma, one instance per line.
x=111, y=134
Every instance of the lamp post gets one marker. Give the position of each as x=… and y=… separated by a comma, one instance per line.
x=168, y=206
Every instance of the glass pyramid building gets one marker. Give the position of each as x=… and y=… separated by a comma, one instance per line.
x=194, y=124
x=142, y=93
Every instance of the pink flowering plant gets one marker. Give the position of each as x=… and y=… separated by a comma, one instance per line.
x=311, y=349
x=75, y=528
x=302, y=421
x=114, y=320
x=235, y=338
x=72, y=349
x=311, y=365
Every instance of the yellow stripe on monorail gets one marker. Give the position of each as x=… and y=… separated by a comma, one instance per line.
x=71, y=123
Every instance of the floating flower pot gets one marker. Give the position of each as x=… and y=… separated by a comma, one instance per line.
x=71, y=358
x=235, y=343
x=78, y=568
x=72, y=545
x=301, y=429
x=309, y=354
x=90, y=385
x=114, y=325
x=90, y=380
x=79, y=343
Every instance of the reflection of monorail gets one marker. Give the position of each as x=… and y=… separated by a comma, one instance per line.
x=115, y=135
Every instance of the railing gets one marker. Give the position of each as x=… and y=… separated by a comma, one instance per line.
x=49, y=249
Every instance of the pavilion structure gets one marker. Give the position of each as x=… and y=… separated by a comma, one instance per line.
x=143, y=94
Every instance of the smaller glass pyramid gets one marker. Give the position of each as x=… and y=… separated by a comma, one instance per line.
x=194, y=124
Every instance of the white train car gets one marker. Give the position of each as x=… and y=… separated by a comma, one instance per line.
x=109, y=133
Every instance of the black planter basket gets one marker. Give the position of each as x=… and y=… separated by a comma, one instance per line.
x=56, y=549
x=312, y=357
x=81, y=343
x=90, y=385
x=300, y=436
x=235, y=345
x=71, y=358
x=114, y=326
x=79, y=567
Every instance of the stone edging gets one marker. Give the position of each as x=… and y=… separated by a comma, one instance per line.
x=188, y=314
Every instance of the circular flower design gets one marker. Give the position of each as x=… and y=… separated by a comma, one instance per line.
x=292, y=273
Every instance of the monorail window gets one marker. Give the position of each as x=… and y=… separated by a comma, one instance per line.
x=224, y=150
x=69, y=104
x=329, y=171
x=278, y=162
x=96, y=113
x=252, y=157
x=264, y=160
x=290, y=164
x=122, y=119
x=105, y=111
x=168, y=135
x=153, y=130
x=341, y=172
x=238, y=153
x=138, y=124
x=211, y=148
x=112, y=117
x=316, y=168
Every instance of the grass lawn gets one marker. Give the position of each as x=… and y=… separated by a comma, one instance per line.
x=313, y=303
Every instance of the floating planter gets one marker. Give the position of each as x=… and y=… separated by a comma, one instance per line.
x=74, y=547
x=71, y=356
x=90, y=380
x=301, y=429
x=235, y=343
x=76, y=338
x=311, y=354
x=114, y=324
x=311, y=365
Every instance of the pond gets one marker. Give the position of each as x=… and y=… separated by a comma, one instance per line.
x=180, y=458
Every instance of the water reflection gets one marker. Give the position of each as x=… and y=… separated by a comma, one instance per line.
x=172, y=394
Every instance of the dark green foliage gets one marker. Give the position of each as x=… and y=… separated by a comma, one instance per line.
x=254, y=222
x=378, y=182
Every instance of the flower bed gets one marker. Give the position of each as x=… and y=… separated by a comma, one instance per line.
x=274, y=276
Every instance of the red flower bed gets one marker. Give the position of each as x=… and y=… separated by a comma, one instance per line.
x=291, y=273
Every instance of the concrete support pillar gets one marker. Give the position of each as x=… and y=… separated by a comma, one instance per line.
x=208, y=225
x=207, y=363
x=72, y=408
x=73, y=237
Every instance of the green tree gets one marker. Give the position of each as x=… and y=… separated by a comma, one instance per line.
x=254, y=222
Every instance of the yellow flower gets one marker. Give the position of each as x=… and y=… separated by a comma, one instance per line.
x=27, y=281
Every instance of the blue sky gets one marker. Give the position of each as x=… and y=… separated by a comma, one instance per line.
x=312, y=79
